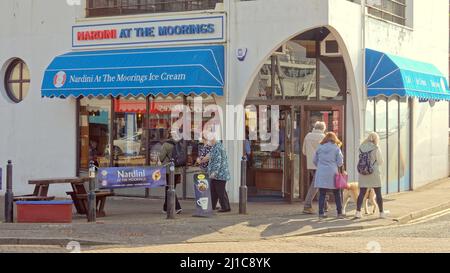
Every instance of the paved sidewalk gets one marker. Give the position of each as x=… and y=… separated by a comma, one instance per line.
x=141, y=222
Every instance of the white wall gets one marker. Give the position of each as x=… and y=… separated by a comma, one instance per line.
x=427, y=41
x=345, y=22
x=263, y=26
x=38, y=135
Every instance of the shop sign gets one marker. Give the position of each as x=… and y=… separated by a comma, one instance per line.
x=195, y=29
x=130, y=106
x=132, y=177
x=163, y=107
x=202, y=196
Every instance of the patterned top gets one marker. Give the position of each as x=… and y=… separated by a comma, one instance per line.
x=204, y=150
x=218, y=163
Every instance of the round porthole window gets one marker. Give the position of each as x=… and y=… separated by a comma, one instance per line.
x=17, y=80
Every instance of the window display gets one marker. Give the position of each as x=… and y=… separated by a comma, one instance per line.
x=140, y=126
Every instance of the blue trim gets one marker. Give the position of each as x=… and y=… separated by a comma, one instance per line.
x=151, y=21
x=44, y=203
x=390, y=75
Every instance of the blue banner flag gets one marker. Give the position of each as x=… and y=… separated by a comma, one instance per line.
x=132, y=177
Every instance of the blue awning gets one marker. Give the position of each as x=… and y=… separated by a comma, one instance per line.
x=147, y=71
x=389, y=75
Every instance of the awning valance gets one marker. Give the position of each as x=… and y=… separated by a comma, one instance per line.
x=389, y=75
x=147, y=71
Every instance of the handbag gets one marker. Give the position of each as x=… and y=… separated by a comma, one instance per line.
x=340, y=180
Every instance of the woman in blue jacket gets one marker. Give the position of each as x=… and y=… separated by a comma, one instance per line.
x=328, y=159
x=219, y=174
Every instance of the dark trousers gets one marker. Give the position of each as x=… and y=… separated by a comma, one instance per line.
x=311, y=175
x=337, y=197
x=177, y=204
x=362, y=193
x=218, y=192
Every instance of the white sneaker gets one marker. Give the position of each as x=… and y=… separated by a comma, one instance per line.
x=358, y=215
x=384, y=214
x=179, y=211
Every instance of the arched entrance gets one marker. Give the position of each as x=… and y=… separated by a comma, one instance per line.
x=307, y=79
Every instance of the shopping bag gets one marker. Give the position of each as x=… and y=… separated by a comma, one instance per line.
x=340, y=180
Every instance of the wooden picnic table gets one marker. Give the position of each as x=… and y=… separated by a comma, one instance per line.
x=64, y=180
x=78, y=195
x=41, y=187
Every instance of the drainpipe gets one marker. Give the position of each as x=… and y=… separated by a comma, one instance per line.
x=363, y=50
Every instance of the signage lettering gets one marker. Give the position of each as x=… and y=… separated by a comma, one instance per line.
x=186, y=29
x=132, y=177
x=145, y=32
x=97, y=35
x=201, y=28
x=108, y=78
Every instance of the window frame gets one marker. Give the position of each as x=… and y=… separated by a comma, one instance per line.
x=21, y=81
x=123, y=7
x=382, y=11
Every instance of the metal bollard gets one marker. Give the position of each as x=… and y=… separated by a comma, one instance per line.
x=9, y=195
x=92, y=206
x=243, y=187
x=171, y=192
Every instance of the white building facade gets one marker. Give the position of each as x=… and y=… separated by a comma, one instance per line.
x=308, y=56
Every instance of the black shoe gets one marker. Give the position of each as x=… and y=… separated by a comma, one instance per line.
x=224, y=210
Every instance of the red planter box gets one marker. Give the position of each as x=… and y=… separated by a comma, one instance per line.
x=44, y=211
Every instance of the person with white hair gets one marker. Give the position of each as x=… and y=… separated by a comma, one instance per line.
x=310, y=144
x=370, y=161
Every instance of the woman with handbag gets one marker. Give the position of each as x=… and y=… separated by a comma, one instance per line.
x=328, y=159
x=370, y=160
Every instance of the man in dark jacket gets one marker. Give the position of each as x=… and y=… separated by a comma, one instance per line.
x=165, y=155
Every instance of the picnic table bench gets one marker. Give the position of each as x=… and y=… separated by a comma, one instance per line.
x=78, y=195
x=40, y=192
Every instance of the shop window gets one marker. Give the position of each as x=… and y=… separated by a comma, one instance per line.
x=393, y=145
x=392, y=123
x=381, y=129
x=140, y=127
x=291, y=72
x=404, y=153
x=333, y=78
x=94, y=122
x=137, y=127
x=97, y=8
x=128, y=148
x=17, y=80
x=370, y=117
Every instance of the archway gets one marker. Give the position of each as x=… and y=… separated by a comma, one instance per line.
x=307, y=78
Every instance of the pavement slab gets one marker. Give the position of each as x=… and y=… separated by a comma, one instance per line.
x=132, y=221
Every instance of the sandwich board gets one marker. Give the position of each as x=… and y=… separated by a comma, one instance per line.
x=202, y=189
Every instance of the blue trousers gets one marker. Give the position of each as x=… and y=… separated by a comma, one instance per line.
x=337, y=197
